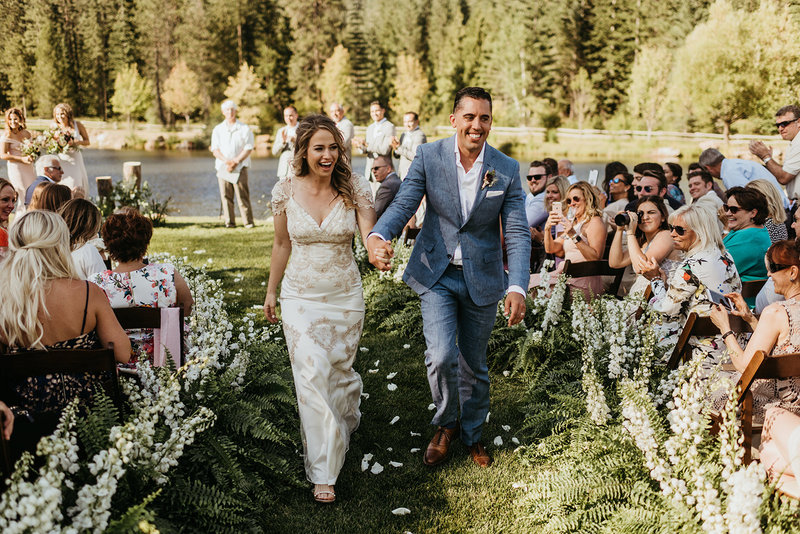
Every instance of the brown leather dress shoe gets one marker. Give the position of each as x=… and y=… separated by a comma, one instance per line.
x=479, y=455
x=436, y=452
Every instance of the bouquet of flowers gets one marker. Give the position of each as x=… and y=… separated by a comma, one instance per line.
x=34, y=147
x=58, y=141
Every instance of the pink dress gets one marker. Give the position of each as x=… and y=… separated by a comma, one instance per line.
x=21, y=175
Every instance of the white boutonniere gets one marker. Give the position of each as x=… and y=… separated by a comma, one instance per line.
x=489, y=179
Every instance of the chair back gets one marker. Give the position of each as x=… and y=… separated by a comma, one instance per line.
x=696, y=325
x=751, y=289
x=583, y=269
x=148, y=317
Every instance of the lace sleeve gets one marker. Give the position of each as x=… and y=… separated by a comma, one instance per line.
x=363, y=192
x=280, y=196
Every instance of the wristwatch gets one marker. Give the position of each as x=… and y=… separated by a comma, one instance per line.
x=767, y=159
x=577, y=239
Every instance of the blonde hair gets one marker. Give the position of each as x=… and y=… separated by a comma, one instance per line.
x=562, y=183
x=38, y=254
x=67, y=110
x=701, y=218
x=775, y=209
x=590, y=198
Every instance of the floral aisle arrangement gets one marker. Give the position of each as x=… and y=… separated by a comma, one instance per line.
x=143, y=199
x=102, y=472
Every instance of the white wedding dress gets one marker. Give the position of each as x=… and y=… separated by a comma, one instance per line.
x=74, y=170
x=322, y=308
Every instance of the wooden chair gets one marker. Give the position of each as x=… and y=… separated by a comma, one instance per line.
x=760, y=366
x=751, y=289
x=147, y=317
x=703, y=327
x=595, y=268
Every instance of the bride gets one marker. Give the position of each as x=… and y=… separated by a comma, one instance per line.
x=316, y=214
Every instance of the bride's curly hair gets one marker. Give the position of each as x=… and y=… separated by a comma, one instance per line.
x=342, y=177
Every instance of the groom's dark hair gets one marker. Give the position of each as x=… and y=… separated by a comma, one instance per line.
x=478, y=93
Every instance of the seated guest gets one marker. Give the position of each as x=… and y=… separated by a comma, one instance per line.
x=534, y=200
x=83, y=220
x=706, y=265
x=648, y=239
x=45, y=306
x=780, y=449
x=767, y=295
x=673, y=173
x=50, y=198
x=49, y=171
x=552, y=167
x=554, y=192
x=133, y=282
x=583, y=237
x=738, y=172
x=747, y=240
x=8, y=200
x=694, y=167
x=8, y=421
x=776, y=333
x=653, y=182
x=383, y=171
x=619, y=191
x=701, y=186
x=776, y=215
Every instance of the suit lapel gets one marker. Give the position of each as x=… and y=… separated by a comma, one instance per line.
x=450, y=174
x=480, y=192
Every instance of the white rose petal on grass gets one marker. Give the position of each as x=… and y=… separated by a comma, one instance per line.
x=377, y=363
x=401, y=511
x=498, y=441
x=406, y=346
x=515, y=441
x=396, y=464
x=363, y=349
x=415, y=449
x=263, y=283
x=365, y=395
x=376, y=469
x=395, y=419
x=389, y=449
x=431, y=406
x=390, y=376
x=506, y=427
x=487, y=416
x=518, y=485
x=200, y=251
x=372, y=371
x=415, y=434
x=391, y=387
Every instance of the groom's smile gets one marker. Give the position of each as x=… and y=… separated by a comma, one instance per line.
x=472, y=120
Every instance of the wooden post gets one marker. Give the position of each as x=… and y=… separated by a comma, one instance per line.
x=132, y=172
x=104, y=186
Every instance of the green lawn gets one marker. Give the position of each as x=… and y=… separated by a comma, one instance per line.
x=455, y=497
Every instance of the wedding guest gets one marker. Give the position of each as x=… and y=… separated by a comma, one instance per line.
x=283, y=147
x=83, y=220
x=51, y=197
x=767, y=295
x=780, y=449
x=555, y=191
x=747, y=240
x=673, y=173
x=75, y=176
x=648, y=240
x=232, y=143
x=776, y=215
x=8, y=420
x=20, y=167
x=336, y=112
x=405, y=148
x=706, y=266
x=8, y=198
x=133, y=282
x=776, y=332
x=619, y=191
x=378, y=140
x=49, y=171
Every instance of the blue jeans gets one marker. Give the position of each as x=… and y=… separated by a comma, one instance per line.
x=457, y=335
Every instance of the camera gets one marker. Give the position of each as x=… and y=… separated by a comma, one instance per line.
x=622, y=219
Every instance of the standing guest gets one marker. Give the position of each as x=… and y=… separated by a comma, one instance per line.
x=135, y=283
x=336, y=112
x=701, y=186
x=49, y=171
x=776, y=215
x=534, y=200
x=738, y=172
x=383, y=171
x=83, y=221
x=8, y=198
x=673, y=173
x=566, y=168
x=747, y=240
x=231, y=144
x=474, y=194
x=378, y=141
x=653, y=182
x=552, y=167
x=639, y=168
x=787, y=123
x=75, y=176
x=21, y=172
x=405, y=148
x=619, y=191
x=317, y=211
x=51, y=197
x=283, y=147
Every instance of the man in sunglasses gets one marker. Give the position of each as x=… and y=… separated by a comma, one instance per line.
x=787, y=121
x=534, y=201
x=653, y=182
x=738, y=172
x=48, y=169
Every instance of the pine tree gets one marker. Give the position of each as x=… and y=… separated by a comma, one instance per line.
x=648, y=89
x=334, y=84
x=51, y=76
x=17, y=56
x=410, y=85
x=445, y=30
x=182, y=91
x=365, y=67
x=156, y=22
x=132, y=94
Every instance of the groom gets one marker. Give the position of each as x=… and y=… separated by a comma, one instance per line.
x=457, y=264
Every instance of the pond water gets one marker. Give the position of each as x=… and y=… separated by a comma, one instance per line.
x=189, y=177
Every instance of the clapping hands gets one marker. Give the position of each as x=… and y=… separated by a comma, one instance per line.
x=380, y=252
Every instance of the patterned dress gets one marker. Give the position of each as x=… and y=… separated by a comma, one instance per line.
x=153, y=286
x=322, y=308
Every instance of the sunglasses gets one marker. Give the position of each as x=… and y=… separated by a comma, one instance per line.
x=784, y=124
x=535, y=176
x=680, y=230
x=378, y=167
x=645, y=188
x=574, y=199
x=617, y=180
x=775, y=267
x=732, y=209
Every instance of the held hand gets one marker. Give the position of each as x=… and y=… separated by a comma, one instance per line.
x=395, y=142
x=380, y=253
x=741, y=309
x=8, y=422
x=651, y=270
x=552, y=220
x=631, y=229
x=567, y=225
x=719, y=316
x=283, y=135
x=514, y=308
x=760, y=150
x=230, y=165
x=27, y=159
x=270, y=308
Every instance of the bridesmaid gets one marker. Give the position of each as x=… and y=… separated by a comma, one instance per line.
x=21, y=172
x=75, y=176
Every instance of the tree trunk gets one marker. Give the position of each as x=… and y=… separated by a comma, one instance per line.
x=726, y=131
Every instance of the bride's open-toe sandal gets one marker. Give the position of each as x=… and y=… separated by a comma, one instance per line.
x=324, y=496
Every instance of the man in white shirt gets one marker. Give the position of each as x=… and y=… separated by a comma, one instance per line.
x=231, y=143
x=701, y=186
x=336, y=112
x=378, y=141
x=405, y=148
x=787, y=120
x=283, y=147
x=737, y=172
x=566, y=168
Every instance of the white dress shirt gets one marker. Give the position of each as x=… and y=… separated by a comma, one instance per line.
x=791, y=164
x=534, y=209
x=739, y=172
x=230, y=140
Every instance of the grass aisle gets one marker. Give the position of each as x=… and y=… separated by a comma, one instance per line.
x=456, y=497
